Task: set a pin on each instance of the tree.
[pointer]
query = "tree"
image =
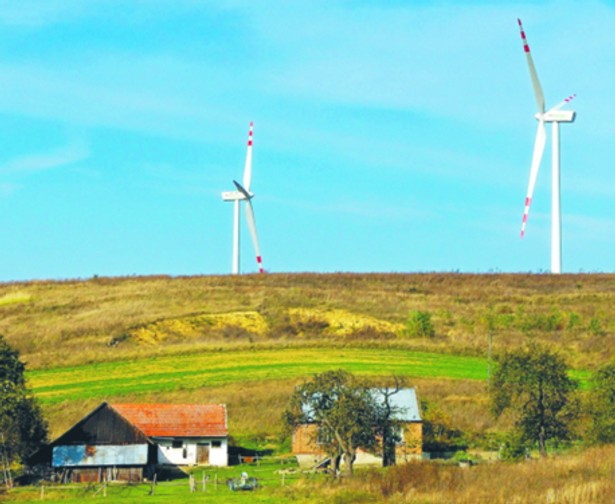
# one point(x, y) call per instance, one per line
point(419, 325)
point(601, 406)
point(387, 425)
point(22, 427)
point(439, 431)
point(344, 411)
point(534, 385)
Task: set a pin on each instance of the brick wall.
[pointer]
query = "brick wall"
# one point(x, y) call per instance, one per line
point(304, 441)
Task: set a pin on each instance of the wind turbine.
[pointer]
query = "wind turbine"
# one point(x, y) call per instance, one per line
point(243, 194)
point(554, 116)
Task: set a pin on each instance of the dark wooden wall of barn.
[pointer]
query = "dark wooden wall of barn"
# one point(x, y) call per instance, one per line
point(104, 426)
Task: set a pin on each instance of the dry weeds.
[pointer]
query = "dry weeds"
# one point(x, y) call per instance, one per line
point(86, 321)
point(587, 477)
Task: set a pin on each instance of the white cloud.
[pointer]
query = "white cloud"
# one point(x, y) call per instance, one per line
point(445, 59)
point(442, 59)
point(57, 158)
point(156, 94)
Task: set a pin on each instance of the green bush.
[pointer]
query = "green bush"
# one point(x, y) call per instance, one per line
point(601, 406)
point(574, 320)
point(514, 447)
point(419, 325)
point(554, 321)
point(595, 327)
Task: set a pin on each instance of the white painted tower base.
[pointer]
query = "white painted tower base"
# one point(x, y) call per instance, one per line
point(556, 214)
point(236, 239)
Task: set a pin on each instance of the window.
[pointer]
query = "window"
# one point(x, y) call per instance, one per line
point(177, 444)
point(216, 444)
point(398, 435)
point(185, 453)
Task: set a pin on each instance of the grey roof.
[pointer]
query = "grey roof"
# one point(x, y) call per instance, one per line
point(405, 402)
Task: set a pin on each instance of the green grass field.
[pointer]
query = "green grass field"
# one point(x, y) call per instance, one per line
point(210, 369)
point(273, 487)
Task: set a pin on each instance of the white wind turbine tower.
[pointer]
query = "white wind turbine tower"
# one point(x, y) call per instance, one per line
point(243, 194)
point(554, 116)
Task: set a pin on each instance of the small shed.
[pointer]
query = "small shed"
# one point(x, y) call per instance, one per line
point(129, 442)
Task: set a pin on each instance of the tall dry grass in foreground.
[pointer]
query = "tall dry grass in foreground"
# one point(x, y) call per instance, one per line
point(587, 477)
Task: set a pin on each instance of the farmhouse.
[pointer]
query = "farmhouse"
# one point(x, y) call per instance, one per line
point(306, 442)
point(130, 442)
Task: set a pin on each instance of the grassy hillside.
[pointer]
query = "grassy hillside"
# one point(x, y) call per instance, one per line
point(244, 379)
point(76, 322)
point(246, 340)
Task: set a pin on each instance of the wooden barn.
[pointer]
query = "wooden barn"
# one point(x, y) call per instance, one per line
point(128, 442)
point(306, 442)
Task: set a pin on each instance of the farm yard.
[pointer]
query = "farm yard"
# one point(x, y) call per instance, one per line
point(577, 477)
point(247, 341)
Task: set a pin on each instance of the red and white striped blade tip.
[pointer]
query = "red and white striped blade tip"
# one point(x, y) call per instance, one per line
point(526, 211)
point(250, 134)
point(526, 46)
point(259, 260)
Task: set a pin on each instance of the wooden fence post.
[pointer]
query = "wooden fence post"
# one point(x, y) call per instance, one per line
point(153, 485)
point(42, 492)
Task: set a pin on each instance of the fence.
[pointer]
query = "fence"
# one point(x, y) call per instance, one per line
point(270, 472)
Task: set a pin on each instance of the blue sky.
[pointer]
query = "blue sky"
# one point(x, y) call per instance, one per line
point(389, 136)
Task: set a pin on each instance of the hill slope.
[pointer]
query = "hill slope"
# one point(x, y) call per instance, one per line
point(75, 322)
point(246, 340)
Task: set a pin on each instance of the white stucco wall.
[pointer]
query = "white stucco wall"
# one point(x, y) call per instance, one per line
point(218, 456)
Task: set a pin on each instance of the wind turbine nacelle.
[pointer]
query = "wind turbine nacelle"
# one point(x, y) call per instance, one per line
point(557, 116)
point(233, 196)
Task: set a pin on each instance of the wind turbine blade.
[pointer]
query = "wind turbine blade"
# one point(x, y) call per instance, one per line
point(252, 227)
point(562, 103)
point(247, 171)
point(539, 147)
point(242, 190)
point(540, 98)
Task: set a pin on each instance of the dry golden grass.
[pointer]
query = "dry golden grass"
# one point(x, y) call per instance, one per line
point(99, 319)
point(341, 322)
point(582, 478)
point(190, 328)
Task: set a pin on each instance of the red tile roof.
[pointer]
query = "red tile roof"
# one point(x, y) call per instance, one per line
point(176, 420)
